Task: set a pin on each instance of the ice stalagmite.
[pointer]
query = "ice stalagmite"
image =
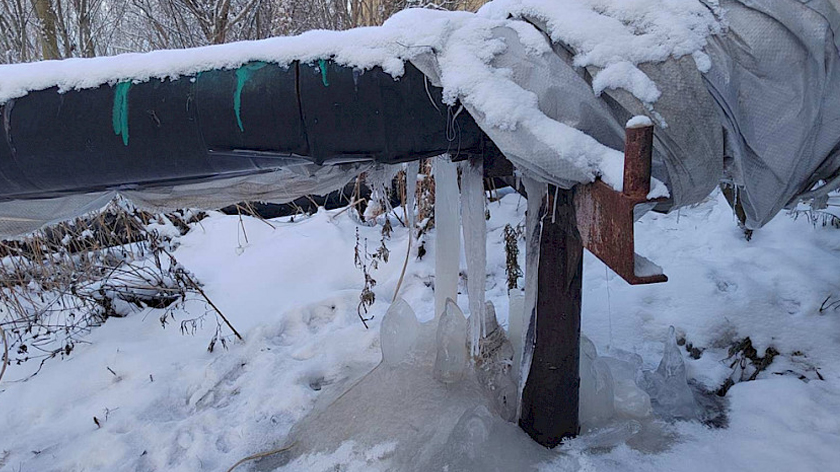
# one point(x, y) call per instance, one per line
point(493, 367)
point(630, 400)
point(533, 228)
point(596, 388)
point(475, 245)
point(670, 395)
point(411, 171)
point(398, 332)
point(451, 344)
point(447, 233)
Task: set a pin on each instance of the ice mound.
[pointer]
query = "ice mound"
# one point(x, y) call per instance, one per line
point(426, 424)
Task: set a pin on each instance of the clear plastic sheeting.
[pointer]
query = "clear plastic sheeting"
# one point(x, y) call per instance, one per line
point(19, 217)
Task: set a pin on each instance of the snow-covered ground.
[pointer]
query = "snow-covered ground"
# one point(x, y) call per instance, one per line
point(170, 405)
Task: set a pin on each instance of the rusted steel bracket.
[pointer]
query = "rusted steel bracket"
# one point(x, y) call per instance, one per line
point(605, 217)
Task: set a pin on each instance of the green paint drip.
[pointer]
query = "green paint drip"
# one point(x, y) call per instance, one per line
point(243, 74)
point(119, 114)
point(322, 64)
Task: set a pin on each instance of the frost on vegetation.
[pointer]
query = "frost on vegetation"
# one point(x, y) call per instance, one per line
point(398, 332)
point(451, 344)
point(670, 394)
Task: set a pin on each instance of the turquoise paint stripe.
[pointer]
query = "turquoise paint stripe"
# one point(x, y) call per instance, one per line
point(119, 113)
point(322, 64)
point(243, 74)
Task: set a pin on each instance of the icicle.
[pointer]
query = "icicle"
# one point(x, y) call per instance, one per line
point(447, 234)
point(516, 311)
point(411, 171)
point(475, 246)
point(536, 191)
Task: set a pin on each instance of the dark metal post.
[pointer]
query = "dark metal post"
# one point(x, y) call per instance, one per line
point(550, 399)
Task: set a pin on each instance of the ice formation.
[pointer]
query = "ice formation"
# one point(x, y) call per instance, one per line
point(493, 367)
point(609, 393)
point(447, 233)
point(425, 424)
point(451, 344)
point(516, 311)
point(670, 395)
point(532, 259)
point(411, 171)
point(475, 245)
point(596, 388)
point(398, 332)
point(630, 401)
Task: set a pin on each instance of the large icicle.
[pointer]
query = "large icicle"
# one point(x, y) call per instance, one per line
point(516, 311)
point(475, 245)
point(536, 191)
point(447, 234)
point(411, 171)
point(533, 228)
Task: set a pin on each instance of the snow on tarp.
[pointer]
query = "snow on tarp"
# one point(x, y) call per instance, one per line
point(553, 92)
point(463, 46)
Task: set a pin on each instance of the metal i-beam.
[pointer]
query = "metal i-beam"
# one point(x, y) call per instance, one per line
point(601, 219)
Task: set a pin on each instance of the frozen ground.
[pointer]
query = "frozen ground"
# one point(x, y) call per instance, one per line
point(170, 405)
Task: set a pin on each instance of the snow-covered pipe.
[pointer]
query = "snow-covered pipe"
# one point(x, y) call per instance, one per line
point(221, 123)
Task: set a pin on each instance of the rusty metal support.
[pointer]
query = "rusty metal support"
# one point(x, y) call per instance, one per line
point(605, 216)
point(550, 398)
point(601, 219)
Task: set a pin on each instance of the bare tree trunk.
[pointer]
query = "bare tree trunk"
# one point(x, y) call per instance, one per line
point(48, 37)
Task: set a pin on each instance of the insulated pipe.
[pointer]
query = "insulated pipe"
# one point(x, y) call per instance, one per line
point(223, 123)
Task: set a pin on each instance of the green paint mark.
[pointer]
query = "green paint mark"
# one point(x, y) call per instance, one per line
point(119, 114)
point(243, 74)
point(322, 64)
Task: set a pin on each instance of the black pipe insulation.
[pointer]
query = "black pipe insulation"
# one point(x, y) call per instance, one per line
point(222, 123)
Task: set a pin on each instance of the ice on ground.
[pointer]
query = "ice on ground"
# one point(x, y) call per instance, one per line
point(670, 394)
point(447, 233)
point(421, 424)
point(398, 332)
point(451, 344)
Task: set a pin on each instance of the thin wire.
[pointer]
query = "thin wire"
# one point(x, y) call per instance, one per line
point(609, 304)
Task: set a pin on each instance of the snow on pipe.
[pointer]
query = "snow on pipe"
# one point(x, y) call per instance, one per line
point(221, 123)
